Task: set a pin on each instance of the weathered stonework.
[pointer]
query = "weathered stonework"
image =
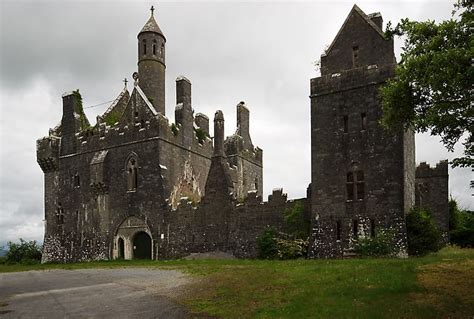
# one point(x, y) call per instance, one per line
point(432, 193)
point(362, 176)
point(137, 186)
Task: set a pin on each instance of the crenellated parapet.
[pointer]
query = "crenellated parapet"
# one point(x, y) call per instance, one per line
point(47, 153)
point(351, 79)
point(424, 170)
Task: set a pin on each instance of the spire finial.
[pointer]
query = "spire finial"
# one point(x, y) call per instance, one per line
point(125, 81)
point(152, 9)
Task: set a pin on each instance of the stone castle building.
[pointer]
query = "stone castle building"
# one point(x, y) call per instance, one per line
point(135, 185)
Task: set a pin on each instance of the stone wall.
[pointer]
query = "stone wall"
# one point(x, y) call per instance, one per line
point(432, 193)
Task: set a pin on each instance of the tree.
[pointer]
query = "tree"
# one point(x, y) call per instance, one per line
point(461, 225)
point(432, 89)
point(296, 222)
point(423, 235)
point(24, 252)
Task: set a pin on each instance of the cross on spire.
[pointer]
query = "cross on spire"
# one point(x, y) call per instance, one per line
point(152, 9)
point(125, 81)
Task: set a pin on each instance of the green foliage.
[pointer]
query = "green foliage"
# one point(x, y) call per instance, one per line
point(422, 233)
point(25, 252)
point(291, 249)
point(174, 129)
point(112, 118)
point(295, 221)
point(201, 135)
point(80, 110)
point(432, 89)
point(461, 226)
point(381, 245)
point(267, 244)
point(271, 245)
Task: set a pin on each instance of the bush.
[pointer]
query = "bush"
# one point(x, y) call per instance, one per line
point(267, 244)
point(295, 221)
point(422, 233)
point(291, 249)
point(461, 226)
point(272, 245)
point(26, 252)
point(382, 244)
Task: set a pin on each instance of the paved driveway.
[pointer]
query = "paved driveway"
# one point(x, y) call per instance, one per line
point(92, 293)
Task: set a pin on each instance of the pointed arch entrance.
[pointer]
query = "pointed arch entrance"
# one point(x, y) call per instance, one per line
point(133, 240)
point(141, 246)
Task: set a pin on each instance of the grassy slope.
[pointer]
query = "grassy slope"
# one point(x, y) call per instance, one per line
point(438, 285)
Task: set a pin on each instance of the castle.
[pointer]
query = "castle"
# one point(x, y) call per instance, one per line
point(135, 185)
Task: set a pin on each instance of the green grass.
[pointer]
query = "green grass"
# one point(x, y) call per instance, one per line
point(435, 286)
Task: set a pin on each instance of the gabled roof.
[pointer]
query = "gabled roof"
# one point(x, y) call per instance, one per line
point(151, 26)
point(356, 9)
point(145, 99)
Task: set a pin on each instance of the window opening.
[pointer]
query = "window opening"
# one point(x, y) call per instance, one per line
point(355, 56)
point(338, 230)
point(144, 47)
point(372, 228)
point(355, 185)
point(132, 172)
point(363, 121)
point(355, 228)
point(346, 123)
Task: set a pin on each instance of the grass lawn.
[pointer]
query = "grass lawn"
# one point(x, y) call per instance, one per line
point(436, 286)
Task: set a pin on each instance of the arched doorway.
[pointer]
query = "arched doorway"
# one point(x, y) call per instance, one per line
point(121, 248)
point(141, 246)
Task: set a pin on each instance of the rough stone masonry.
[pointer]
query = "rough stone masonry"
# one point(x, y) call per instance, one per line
point(135, 185)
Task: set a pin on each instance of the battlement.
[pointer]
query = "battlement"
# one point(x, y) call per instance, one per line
point(47, 153)
point(351, 79)
point(425, 171)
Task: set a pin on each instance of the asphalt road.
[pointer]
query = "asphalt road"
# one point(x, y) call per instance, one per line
point(92, 293)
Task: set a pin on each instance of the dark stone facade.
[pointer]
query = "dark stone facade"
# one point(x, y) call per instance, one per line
point(137, 186)
point(432, 193)
point(362, 176)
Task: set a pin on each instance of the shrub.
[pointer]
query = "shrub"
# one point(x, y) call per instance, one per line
point(461, 225)
point(272, 245)
point(295, 221)
point(291, 249)
point(382, 244)
point(267, 244)
point(422, 233)
point(25, 252)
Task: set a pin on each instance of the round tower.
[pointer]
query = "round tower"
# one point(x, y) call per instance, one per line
point(151, 63)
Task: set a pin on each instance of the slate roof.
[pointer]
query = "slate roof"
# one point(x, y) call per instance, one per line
point(152, 26)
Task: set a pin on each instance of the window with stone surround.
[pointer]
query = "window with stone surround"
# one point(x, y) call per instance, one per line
point(355, 185)
point(144, 47)
point(59, 214)
point(338, 230)
point(77, 180)
point(355, 56)
point(372, 227)
point(132, 174)
point(346, 123)
point(363, 121)
point(154, 47)
point(355, 228)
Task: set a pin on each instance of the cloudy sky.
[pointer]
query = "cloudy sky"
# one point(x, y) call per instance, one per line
point(260, 52)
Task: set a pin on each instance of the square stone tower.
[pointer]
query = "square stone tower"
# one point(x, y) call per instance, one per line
point(362, 176)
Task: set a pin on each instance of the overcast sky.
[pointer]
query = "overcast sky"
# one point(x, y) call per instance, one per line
point(258, 52)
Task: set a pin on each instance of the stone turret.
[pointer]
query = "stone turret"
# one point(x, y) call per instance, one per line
point(69, 126)
point(243, 125)
point(151, 63)
point(184, 112)
point(219, 134)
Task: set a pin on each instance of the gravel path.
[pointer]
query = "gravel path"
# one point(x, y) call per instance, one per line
point(92, 293)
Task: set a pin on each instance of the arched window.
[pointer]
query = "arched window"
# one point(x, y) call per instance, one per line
point(338, 230)
point(154, 47)
point(162, 51)
point(144, 47)
point(77, 180)
point(355, 185)
point(132, 174)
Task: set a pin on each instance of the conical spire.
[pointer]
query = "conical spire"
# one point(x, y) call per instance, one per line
point(151, 25)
